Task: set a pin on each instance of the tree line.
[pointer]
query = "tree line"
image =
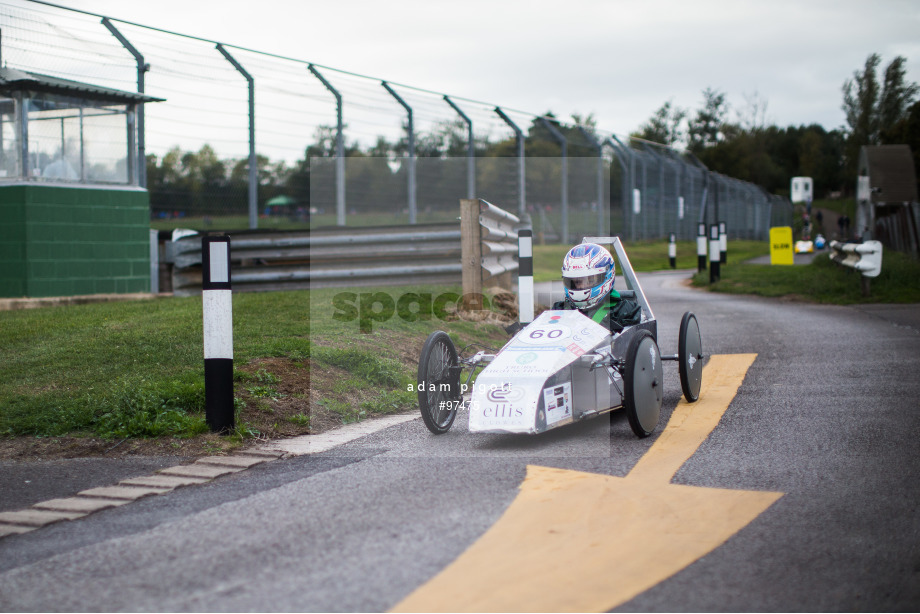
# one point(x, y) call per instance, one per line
point(880, 108)
point(200, 183)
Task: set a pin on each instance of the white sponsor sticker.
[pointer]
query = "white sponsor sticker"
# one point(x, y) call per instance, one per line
point(557, 400)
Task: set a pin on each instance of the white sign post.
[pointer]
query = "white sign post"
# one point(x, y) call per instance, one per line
point(217, 310)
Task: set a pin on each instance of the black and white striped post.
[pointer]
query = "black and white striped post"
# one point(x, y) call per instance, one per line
point(701, 246)
point(217, 309)
point(672, 250)
point(714, 253)
point(723, 243)
point(525, 276)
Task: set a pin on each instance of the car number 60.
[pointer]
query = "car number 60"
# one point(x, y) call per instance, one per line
point(547, 336)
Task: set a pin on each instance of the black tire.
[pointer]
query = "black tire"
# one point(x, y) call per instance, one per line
point(642, 377)
point(438, 382)
point(690, 357)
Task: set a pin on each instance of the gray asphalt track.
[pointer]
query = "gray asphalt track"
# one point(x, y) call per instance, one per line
point(827, 414)
point(24, 483)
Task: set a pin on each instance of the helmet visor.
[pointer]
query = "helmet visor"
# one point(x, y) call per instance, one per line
point(584, 283)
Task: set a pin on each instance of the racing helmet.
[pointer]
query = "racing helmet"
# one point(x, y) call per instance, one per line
point(587, 274)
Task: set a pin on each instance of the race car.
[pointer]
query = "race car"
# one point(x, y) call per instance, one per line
point(561, 368)
point(804, 247)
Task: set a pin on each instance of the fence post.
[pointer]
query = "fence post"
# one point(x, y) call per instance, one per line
point(154, 261)
point(339, 149)
point(563, 142)
point(253, 167)
point(142, 68)
point(659, 204)
point(410, 131)
point(217, 310)
point(626, 187)
point(470, 151)
point(471, 254)
point(519, 137)
point(600, 176)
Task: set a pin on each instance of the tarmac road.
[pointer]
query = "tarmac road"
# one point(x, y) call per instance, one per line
point(824, 424)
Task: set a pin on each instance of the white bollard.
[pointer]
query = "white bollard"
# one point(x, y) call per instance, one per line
point(672, 250)
point(701, 247)
point(525, 276)
point(714, 253)
point(217, 311)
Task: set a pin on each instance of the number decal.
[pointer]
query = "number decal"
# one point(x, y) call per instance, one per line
point(551, 335)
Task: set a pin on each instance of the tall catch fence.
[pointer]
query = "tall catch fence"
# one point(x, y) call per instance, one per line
point(251, 139)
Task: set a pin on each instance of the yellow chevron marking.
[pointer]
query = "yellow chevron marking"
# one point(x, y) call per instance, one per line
point(581, 542)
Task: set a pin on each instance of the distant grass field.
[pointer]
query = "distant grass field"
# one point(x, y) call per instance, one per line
point(644, 256)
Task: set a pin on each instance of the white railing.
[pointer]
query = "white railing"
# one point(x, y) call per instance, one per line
point(865, 257)
point(489, 245)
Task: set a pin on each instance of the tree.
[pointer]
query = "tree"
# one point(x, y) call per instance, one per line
point(896, 98)
point(706, 128)
point(860, 100)
point(811, 157)
point(447, 138)
point(664, 126)
point(907, 131)
point(588, 121)
point(754, 114)
point(873, 112)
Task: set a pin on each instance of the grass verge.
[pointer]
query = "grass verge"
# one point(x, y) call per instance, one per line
point(130, 375)
point(822, 281)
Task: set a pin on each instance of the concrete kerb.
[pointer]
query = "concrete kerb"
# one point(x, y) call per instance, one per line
point(13, 304)
point(201, 471)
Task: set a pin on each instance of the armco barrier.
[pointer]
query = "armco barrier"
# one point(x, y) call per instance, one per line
point(864, 257)
point(489, 246)
point(327, 258)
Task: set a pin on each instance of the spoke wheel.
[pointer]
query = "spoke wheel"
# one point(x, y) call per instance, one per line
point(690, 357)
point(643, 381)
point(438, 382)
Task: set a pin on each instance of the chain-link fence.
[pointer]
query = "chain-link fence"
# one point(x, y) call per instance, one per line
point(407, 154)
point(663, 192)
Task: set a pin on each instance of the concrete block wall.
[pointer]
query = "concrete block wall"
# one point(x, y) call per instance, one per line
point(67, 241)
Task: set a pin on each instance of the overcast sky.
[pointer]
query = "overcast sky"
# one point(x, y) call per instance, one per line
point(617, 59)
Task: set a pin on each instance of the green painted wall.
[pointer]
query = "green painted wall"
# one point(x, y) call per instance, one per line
point(63, 241)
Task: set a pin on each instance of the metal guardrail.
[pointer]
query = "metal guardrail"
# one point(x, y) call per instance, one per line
point(489, 245)
point(864, 257)
point(499, 238)
point(326, 258)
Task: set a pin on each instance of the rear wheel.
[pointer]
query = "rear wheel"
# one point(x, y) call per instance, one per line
point(642, 379)
point(438, 382)
point(690, 357)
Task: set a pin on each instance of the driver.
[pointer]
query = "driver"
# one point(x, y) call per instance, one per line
point(588, 272)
